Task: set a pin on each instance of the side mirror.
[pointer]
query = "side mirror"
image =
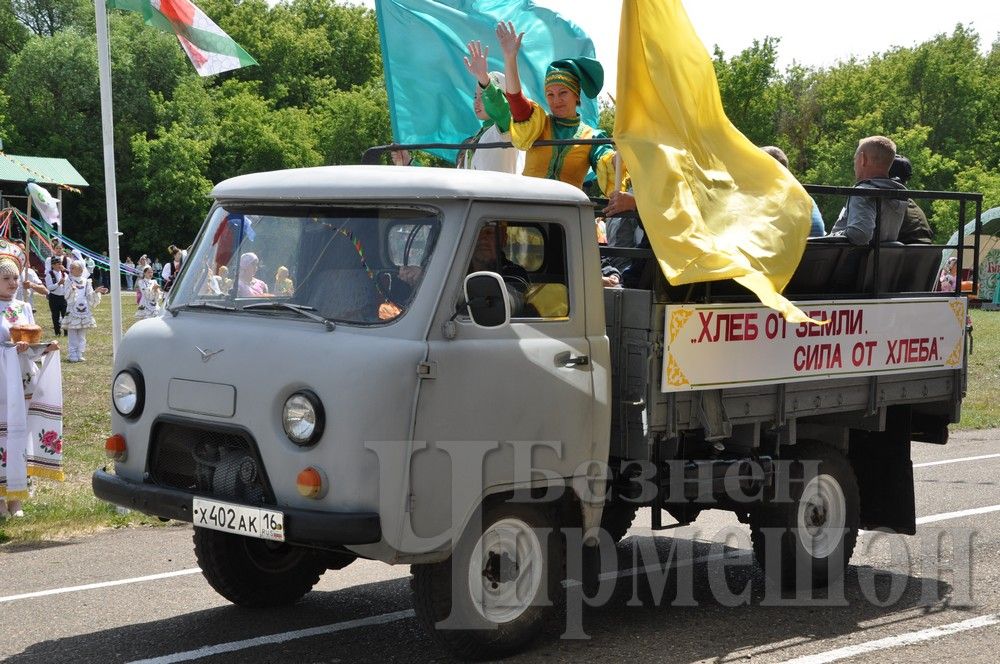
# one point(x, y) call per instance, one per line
point(486, 297)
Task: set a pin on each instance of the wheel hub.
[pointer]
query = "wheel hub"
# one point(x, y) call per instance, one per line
point(822, 516)
point(500, 568)
point(505, 570)
point(817, 514)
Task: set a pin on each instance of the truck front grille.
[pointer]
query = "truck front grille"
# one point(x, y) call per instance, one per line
point(222, 464)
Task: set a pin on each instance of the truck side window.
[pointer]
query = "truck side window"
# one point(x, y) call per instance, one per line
point(531, 256)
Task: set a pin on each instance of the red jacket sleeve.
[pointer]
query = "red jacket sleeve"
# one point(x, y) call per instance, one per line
point(520, 107)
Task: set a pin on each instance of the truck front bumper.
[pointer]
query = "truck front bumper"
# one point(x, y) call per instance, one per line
point(301, 526)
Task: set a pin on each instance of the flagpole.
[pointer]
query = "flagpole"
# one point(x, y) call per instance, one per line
point(110, 192)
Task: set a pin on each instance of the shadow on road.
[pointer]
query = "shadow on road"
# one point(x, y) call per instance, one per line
point(26, 547)
point(680, 615)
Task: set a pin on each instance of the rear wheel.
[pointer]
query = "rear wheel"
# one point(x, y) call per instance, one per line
point(254, 572)
point(807, 541)
point(498, 588)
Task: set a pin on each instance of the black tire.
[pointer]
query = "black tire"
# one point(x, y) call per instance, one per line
point(617, 518)
point(450, 614)
point(253, 572)
point(775, 527)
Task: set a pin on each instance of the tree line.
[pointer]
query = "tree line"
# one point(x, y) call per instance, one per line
point(318, 97)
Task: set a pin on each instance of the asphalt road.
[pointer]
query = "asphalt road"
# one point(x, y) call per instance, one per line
point(904, 599)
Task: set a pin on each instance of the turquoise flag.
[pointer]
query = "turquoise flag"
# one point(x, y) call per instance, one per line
point(424, 41)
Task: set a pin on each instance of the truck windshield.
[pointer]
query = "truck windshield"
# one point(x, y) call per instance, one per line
point(349, 265)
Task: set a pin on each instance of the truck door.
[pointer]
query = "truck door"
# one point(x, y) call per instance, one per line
point(530, 383)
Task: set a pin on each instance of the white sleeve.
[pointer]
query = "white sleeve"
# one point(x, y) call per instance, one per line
point(93, 296)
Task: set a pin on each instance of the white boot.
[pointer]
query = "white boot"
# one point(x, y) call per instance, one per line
point(15, 509)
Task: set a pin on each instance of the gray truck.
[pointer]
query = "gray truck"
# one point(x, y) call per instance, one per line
point(438, 378)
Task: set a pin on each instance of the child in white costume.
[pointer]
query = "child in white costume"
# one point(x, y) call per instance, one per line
point(147, 292)
point(81, 298)
point(18, 373)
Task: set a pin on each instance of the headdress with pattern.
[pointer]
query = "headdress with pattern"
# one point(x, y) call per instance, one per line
point(11, 258)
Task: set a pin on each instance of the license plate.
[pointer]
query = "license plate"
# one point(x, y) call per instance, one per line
point(239, 519)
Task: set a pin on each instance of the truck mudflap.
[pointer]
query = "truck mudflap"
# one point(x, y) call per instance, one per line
point(302, 526)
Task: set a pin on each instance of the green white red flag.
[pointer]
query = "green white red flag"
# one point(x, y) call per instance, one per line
point(209, 48)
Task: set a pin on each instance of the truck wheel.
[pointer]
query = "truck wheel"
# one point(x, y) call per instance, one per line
point(617, 518)
point(253, 572)
point(817, 528)
point(498, 588)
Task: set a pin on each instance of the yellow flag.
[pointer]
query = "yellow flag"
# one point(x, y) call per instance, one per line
point(713, 204)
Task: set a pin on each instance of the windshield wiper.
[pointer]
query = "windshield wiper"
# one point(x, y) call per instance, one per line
point(300, 309)
point(200, 305)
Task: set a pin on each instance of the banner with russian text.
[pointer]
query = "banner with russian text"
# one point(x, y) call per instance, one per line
point(722, 346)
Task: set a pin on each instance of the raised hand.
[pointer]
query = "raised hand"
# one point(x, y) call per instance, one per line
point(401, 157)
point(476, 62)
point(510, 39)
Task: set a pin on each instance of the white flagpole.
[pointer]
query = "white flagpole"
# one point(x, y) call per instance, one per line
point(110, 191)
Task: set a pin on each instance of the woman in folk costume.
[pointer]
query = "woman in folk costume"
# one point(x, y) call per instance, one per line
point(492, 109)
point(81, 298)
point(30, 398)
point(564, 82)
point(147, 294)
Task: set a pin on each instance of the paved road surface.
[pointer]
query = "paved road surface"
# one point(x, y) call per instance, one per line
point(134, 595)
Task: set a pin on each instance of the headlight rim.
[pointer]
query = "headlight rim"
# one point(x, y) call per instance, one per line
point(319, 412)
point(140, 393)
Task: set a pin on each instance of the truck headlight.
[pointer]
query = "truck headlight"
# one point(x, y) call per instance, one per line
point(128, 392)
point(303, 418)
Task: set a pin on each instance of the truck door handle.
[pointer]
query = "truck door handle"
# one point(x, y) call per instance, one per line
point(567, 359)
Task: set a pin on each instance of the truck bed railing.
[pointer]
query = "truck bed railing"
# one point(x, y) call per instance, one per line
point(882, 268)
point(833, 268)
point(373, 154)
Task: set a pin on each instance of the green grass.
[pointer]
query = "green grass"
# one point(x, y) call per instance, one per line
point(981, 407)
point(59, 510)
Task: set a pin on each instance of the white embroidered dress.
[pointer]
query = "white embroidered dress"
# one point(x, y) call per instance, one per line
point(81, 299)
point(30, 409)
point(148, 307)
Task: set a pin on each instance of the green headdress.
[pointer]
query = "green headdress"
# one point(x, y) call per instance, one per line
point(577, 74)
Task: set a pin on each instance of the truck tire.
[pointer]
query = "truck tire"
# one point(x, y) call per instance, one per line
point(255, 573)
point(507, 583)
point(817, 528)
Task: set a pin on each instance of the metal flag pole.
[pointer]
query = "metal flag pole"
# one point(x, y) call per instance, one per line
point(110, 192)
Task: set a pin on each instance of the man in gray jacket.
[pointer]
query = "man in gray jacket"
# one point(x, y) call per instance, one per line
point(871, 169)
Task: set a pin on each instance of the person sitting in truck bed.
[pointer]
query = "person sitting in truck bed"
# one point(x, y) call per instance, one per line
point(817, 228)
point(915, 229)
point(871, 169)
point(624, 229)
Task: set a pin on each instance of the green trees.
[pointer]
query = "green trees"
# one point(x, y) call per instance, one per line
point(749, 91)
point(939, 101)
point(318, 98)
